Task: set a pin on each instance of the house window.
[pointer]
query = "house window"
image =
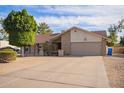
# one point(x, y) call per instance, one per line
point(75, 31)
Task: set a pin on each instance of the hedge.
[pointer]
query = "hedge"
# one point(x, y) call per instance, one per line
point(7, 49)
point(7, 55)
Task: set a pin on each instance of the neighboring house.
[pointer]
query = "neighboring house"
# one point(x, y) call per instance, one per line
point(75, 41)
point(5, 44)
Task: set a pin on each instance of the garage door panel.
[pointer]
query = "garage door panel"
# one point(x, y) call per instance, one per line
point(87, 48)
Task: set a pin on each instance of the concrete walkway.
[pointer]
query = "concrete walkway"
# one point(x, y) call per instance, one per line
point(54, 72)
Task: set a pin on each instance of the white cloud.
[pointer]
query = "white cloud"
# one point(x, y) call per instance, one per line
point(89, 17)
point(65, 21)
point(97, 17)
point(86, 10)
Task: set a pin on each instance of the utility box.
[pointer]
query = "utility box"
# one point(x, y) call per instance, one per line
point(60, 52)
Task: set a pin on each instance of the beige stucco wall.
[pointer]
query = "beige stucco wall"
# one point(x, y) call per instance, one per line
point(82, 36)
point(66, 44)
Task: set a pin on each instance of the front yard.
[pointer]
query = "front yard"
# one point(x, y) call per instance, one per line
point(115, 70)
point(63, 72)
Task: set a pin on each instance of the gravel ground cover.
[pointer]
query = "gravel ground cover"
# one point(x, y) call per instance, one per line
point(115, 70)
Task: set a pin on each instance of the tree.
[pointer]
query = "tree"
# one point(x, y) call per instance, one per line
point(120, 26)
point(3, 33)
point(21, 27)
point(113, 31)
point(122, 41)
point(113, 35)
point(1, 21)
point(43, 28)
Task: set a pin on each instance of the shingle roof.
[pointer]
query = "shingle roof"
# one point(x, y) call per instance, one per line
point(96, 33)
point(103, 33)
point(42, 38)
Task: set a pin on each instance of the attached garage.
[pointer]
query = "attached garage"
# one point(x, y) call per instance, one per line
point(86, 48)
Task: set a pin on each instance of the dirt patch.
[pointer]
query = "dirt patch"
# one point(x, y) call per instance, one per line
point(115, 70)
point(19, 64)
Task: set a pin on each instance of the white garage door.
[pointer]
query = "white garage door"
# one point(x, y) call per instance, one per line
point(86, 49)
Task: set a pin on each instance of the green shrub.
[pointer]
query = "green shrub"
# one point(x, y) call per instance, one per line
point(7, 55)
point(7, 49)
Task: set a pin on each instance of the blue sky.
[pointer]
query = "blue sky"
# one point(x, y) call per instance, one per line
point(63, 17)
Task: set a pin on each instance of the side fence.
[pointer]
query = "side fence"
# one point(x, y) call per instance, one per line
point(117, 49)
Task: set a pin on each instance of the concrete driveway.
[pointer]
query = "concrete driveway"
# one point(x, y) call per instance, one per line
point(54, 72)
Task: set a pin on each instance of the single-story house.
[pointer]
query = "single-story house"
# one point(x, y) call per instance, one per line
point(75, 41)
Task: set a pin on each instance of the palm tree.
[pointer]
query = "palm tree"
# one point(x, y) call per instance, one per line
point(43, 28)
